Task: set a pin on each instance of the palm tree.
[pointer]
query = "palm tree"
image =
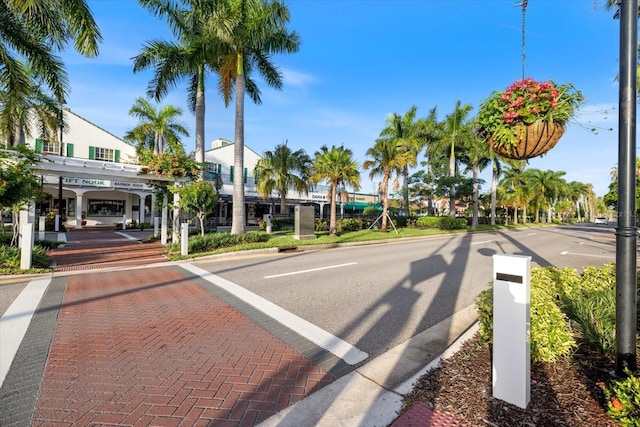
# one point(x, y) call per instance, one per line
point(546, 185)
point(477, 156)
point(34, 34)
point(386, 159)
point(158, 124)
point(577, 191)
point(335, 165)
point(20, 110)
point(406, 131)
point(276, 171)
point(197, 52)
point(250, 33)
point(516, 187)
point(453, 131)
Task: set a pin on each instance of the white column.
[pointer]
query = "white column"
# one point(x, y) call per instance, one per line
point(176, 218)
point(511, 329)
point(154, 197)
point(79, 211)
point(165, 214)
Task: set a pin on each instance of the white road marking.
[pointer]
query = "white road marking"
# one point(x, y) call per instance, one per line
point(342, 349)
point(15, 321)
point(484, 241)
point(589, 255)
point(310, 270)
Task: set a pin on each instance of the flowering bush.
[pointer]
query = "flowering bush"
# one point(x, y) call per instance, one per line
point(526, 102)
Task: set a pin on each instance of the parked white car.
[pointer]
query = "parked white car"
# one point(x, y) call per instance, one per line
point(601, 220)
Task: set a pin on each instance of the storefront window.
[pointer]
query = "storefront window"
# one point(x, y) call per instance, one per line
point(105, 207)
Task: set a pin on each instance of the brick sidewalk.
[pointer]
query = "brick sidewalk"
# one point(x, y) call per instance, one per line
point(89, 249)
point(147, 347)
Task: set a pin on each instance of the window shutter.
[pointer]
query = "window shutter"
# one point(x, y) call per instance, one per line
point(231, 173)
point(92, 152)
point(38, 146)
point(69, 150)
point(245, 175)
point(116, 156)
point(219, 168)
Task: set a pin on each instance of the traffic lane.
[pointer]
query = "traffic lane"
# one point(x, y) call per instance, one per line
point(386, 294)
point(377, 296)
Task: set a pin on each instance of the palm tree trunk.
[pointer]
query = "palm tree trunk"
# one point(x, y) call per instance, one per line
point(405, 189)
point(283, 203)
point(385, 202)
point(452, 189)
point(494, 191)
point(333, 229)
point(515, 215)
point(200, 112)
point(474, 220)
point(238, 215)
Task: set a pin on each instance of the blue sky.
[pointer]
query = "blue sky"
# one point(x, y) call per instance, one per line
point(361, 60)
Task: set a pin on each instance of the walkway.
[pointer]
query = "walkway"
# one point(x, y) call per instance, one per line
point(154, 345)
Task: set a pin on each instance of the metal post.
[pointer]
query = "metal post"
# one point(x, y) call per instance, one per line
point(626, 238)
point(61, 154)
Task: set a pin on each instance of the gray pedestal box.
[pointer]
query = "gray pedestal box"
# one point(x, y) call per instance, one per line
point(305, 226)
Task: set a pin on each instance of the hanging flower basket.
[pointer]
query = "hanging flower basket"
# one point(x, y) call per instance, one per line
point(533, 140)
point(528, 118)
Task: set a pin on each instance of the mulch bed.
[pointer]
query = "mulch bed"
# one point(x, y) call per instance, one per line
point(564, 393)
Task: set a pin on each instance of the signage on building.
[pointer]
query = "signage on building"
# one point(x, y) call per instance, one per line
point(93, 182)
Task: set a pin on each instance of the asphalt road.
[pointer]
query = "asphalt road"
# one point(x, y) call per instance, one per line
point(377, 296)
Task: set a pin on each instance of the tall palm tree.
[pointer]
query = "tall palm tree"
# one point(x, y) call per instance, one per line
point(386, 159)
point(335, 165)
point(453, 131)
point(277, 169)
point(577, 191)
point(251, 32)
point(195, 53)
point(20, 110)
point(477, 156)
point(160, 124)
point(407, 132)
point(515, 184)
point(33, 32)
point(546, 185)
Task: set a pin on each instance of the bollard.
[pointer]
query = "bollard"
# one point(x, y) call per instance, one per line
point(511, 329)
point(26, 246)
point(124, 222)
point(184, 239)
point(42, 227)
point(57, 223)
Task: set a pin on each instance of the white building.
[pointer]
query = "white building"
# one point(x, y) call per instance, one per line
point(94, 178)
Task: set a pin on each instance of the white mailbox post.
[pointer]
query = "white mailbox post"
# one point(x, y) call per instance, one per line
point(511, 329)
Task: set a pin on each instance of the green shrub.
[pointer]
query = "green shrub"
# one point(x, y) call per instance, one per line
point(321, 225)
point(428, 222)
point(441, 222)
point(10, 257)
point(551, 338)
point(623, 399)
point(448, 223)
point(349, 224)
point(589, 299)
point(212, 241)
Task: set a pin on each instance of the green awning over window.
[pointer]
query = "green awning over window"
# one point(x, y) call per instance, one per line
point(359, 206)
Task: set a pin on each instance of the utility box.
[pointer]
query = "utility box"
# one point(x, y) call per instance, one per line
point(305, 223)
point(511, 329)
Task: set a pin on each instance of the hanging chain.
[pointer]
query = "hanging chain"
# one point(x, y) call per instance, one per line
point(524, 55)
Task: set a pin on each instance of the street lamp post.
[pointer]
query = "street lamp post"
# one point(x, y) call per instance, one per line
point(61, 124)
point(626, 238)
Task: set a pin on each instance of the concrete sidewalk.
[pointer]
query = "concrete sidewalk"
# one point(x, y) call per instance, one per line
point(153, 344)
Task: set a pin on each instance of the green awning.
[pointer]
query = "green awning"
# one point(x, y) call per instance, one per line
point(359, 206)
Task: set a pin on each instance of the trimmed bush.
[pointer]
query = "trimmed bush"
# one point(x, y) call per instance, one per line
point(551, 338)
point(441, 222)
point(349, 224)
point(212, 241)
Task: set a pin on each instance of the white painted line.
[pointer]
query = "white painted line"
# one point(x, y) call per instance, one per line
point(342, 349)
point(310, 270)
point(125, 235)
point(484, 241)
point(590, 255)
point(532, 234)
point(15, 321)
